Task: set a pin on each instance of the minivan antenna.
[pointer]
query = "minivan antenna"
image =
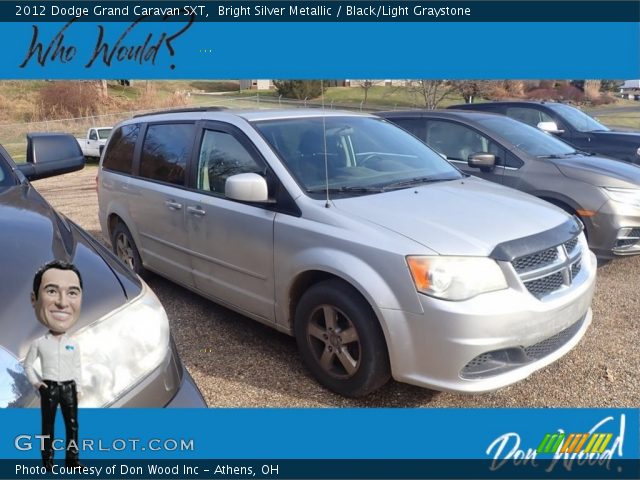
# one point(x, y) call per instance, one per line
point(324, 138)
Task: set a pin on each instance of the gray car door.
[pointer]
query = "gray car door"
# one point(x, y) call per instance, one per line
point(157, 205)
point(230, 242)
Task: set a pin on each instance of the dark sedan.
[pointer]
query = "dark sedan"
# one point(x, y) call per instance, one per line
point(129, 359)
point(604, 193)
point(569, 124)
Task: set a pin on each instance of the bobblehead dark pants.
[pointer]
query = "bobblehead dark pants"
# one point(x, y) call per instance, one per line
point(63, 394)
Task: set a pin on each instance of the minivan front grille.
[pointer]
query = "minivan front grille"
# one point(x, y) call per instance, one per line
point(545, 285)
point(537, 260)
point(549, 270)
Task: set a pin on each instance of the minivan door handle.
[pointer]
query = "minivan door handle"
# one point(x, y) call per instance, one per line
point(173, 205)
point(199, 212)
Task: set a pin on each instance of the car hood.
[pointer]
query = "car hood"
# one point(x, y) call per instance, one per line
point(599, 171)
point(460, 217)
point(34, 234)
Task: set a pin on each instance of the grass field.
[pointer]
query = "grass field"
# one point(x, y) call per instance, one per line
point(19, 99)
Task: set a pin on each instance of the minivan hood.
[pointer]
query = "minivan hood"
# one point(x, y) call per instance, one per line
point(34, 234)
point(458, 217)
point(599, 171)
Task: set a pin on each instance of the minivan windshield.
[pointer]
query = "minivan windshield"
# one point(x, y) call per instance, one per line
point(353, 155)
point(529, 139)
point(578, 119)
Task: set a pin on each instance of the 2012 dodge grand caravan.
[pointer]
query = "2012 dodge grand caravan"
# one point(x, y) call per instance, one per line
point(349, 233)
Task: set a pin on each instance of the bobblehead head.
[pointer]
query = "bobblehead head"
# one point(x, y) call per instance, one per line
point(57, 300)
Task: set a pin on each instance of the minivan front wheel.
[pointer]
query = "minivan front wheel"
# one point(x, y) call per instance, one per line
point(125, 248)
point(340, 340)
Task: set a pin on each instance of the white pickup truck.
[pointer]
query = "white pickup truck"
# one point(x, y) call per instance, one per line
point(94, 142)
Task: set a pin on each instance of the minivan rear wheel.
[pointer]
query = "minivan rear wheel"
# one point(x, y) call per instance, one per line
point(340, 340)
point(125, 248)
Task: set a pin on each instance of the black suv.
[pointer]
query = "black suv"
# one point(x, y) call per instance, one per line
point(570, 124)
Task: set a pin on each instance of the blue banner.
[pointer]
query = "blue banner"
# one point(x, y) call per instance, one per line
point(358, 50)
point(311, 433)
point(243, 40)
point(467, 443)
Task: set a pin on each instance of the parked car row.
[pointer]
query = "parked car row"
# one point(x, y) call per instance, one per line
point(385, 255)
point(571, 125)
point(352, 235)
point(603, 192)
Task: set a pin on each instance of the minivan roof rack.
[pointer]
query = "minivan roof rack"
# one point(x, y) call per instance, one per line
point(182, 110)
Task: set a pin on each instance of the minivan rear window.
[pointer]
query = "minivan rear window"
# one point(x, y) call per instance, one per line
point(119, 155)
point(165, 152)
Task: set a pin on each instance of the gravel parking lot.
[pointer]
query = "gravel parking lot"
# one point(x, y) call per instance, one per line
point(240, 363)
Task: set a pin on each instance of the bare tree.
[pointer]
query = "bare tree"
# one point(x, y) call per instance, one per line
point(366, 85)
point(471, 89)
point(430, 92)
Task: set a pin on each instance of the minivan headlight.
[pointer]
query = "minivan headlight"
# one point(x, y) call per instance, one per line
point(455, 278)
point(121, 349)
point(630, 196)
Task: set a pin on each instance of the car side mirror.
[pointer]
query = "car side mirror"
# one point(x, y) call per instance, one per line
point(484, 161)
point(550, 127)
point(50, 154)
point(247, 187)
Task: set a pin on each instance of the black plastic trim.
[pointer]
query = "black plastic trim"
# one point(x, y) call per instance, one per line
point(509, 251)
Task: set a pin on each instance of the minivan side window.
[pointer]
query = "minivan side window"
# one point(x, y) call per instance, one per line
point(166, 151)
point(119, 155)
point(222, 155)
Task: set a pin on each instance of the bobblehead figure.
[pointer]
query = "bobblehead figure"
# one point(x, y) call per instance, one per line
point(56, 299)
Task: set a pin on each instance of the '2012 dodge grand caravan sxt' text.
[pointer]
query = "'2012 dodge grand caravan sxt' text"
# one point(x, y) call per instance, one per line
point(349, 233)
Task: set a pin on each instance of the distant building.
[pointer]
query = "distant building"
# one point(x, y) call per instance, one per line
point(256, 85)
point(377, 83)
point(630, 89)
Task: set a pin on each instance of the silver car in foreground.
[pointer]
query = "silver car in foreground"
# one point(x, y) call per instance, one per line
point(349, 233)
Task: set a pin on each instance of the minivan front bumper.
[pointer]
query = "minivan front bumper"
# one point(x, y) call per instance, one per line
point(490, 341)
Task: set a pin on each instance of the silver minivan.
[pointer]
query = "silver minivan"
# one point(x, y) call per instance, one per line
point(351, 234)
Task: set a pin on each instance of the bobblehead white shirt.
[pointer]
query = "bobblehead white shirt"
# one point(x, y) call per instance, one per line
point(57, 307)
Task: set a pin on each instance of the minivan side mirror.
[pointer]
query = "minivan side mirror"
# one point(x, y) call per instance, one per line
point(550, 127)
point(484, 161)
point(50, 154)
point(247, 187)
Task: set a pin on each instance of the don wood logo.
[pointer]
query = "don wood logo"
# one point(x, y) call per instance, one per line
point(596, 446)
point(574, 443)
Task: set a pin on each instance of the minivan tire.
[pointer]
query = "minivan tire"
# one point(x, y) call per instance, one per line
point(125, 249)
point(340, 339)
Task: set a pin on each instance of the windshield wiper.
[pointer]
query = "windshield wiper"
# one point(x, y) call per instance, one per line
point(586, 154)
point(553, 155)
point(345, 190)
point(415, 181)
